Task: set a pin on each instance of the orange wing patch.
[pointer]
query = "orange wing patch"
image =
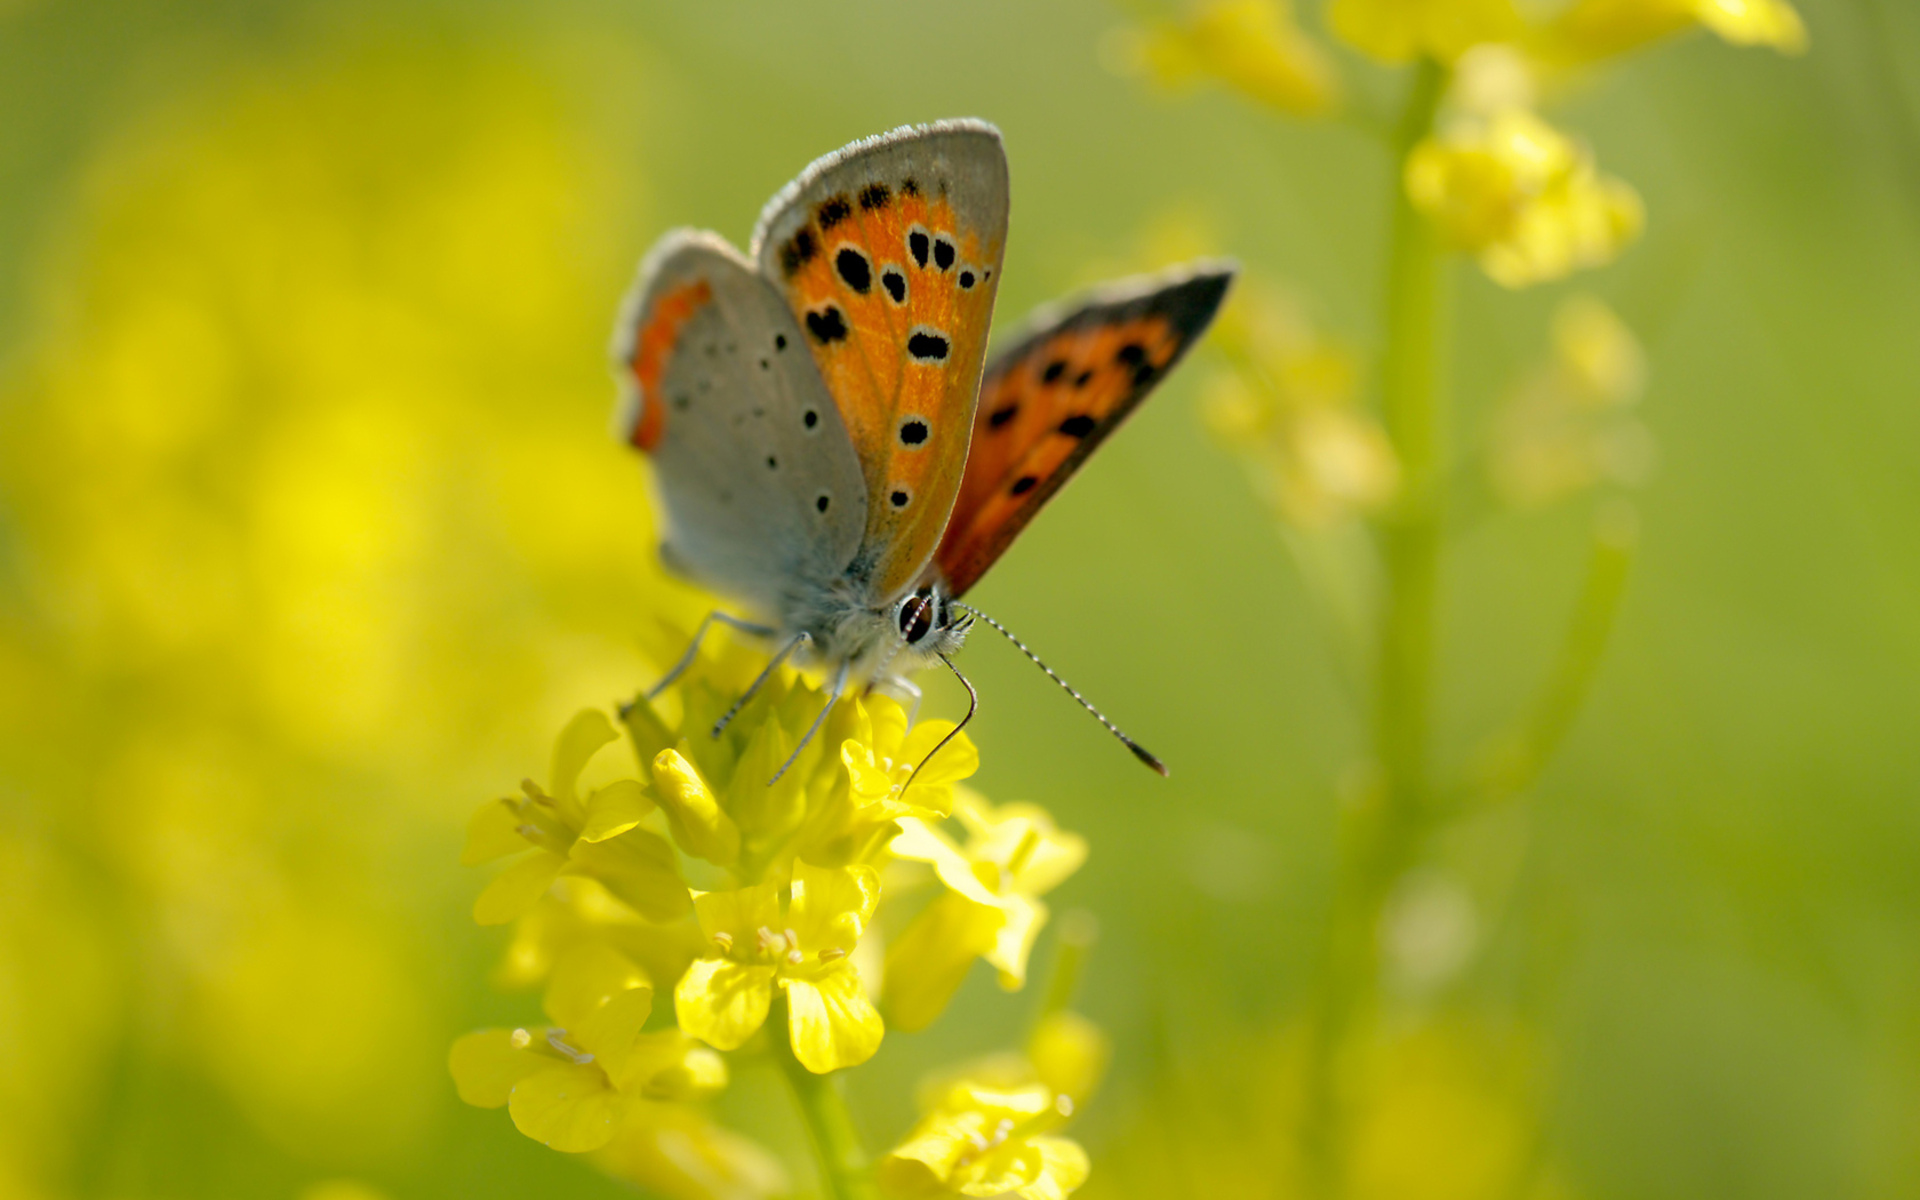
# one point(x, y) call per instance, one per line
point(895, 294)
point(652, 347)
point(1049, 402)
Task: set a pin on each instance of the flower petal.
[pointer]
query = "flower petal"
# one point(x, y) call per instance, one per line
point(486, 1065)
point(924, 842)
point(1014, 941)
point(586, 733)
point(677, 1151)
point(929, 960)
point(614, 809)
point(722, 1002)
point(568, 1106)
point(587, 978)
point(831, 905)
point(831, 1021)
point(639, 868)
point(740, 912)
point(693, 813)
point(518, 888)
point(493, 832)
point(1063, 1167)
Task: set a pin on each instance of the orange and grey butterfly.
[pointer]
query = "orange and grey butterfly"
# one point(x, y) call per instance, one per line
point(1068, 380)
point(888, 253)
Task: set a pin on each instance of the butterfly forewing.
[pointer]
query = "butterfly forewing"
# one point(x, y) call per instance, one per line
point(1067, 381)
point(888, 253)
point(759, 480)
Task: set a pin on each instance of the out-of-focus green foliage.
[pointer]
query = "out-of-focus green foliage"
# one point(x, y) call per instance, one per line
point(311, 533)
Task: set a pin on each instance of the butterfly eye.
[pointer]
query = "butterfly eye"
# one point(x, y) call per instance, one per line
point(916, 617)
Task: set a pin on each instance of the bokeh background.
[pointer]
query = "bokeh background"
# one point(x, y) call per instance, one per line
point(312, 534)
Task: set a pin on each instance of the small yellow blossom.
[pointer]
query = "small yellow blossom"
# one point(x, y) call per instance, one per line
point(991, 908)
point(1589, 30)
point(596, 834)
point(1398, 31)
point(880, 755)
point(981, 1140)
point(804, 949)
point(1291, 408)
point(1522, 197)
point(1570, 425)
point(570, 1085)
point(1254, 47)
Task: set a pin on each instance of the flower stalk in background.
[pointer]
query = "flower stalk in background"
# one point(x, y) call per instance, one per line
point(1365, 495)
point(760, 906)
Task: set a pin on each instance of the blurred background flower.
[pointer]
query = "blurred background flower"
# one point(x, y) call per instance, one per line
point(311, 533)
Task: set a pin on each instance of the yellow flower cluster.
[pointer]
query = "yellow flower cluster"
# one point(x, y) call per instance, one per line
point(1253, 47)
point(1291, 408)
point(1522, 197)
point(756, 898)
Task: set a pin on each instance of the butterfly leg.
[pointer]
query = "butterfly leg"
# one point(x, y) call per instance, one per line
point(693, 647)
point(839, 682)
point(798, 640)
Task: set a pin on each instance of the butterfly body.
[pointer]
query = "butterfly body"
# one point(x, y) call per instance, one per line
point(824, 446)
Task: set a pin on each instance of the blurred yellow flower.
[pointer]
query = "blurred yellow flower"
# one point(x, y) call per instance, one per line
point(802, 947)
point(676, 1151)
point(1398, 31)
point(1290, 408)
point(1254, 47)
point(1588, 30)
point(981, 1140)
point(991, 907)
point(1522, 197)
point(1569, 424)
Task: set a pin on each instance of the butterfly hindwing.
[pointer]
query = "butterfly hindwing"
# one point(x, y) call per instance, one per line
point(1066, 382)
point(888, 253)
point(759, 479)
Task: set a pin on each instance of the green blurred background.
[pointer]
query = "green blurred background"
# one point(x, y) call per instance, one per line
point(312, 534)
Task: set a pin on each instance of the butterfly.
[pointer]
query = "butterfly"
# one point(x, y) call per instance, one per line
point(829, 445)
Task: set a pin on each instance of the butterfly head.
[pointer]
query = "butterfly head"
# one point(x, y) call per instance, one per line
point(927, 622)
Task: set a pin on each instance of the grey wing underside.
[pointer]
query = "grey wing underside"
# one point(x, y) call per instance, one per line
point(760, 486)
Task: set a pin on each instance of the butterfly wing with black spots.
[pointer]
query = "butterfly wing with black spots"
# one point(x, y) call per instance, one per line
point(888, 252)
point(1066, 382)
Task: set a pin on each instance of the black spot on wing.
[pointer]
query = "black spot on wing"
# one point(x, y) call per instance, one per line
point(822, 501)
point(779, 341)
point(998, 418)
point(1023, 485)
point(1132, 354)
point(1054, 371)
point(798, 251)
point(966, 279)
point(854, 270)
point(875, 195)
point(827, 325)
point(1078, 425)
point(899, 498)
point(1082, 379)
point(832, 211)
point(810, 418)
point(911, 187)
point(917, 245)
point(928, 346)
point(895, 282)
point(944, 252)
point(913, 432)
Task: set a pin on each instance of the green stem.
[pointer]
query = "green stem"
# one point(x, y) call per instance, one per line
point(1384, 831)
point(836, 1144)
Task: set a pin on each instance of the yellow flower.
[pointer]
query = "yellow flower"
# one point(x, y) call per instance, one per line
point(570, 1085)
point(991, 908)
point(1521, 196)
point(1254, 47)
point(804, 949)
point(596, 835)
point(854, 824)
point(1589, 30)
point(1398, 31)
point(676, 1151)
point(580, 911)
point(981, 1140)
point(1291, 408)
point(1569, 424)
